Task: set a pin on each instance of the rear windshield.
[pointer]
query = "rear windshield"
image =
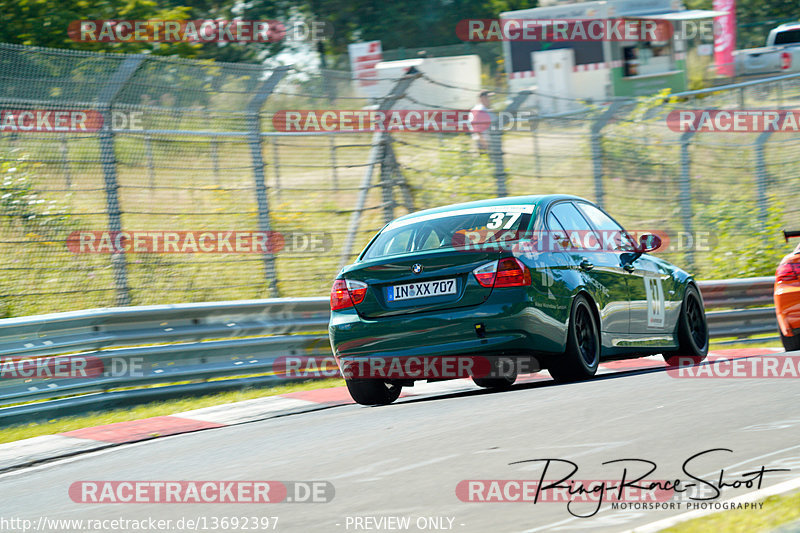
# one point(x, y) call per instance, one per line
point(452, 229)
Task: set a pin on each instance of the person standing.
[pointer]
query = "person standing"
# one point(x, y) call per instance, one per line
point(481, 119)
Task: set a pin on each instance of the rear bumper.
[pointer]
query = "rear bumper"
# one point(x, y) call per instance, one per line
point(787, 308)
point(510, 327)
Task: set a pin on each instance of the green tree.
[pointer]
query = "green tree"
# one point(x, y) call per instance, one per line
point(754, 18)
point(411, 24)
point(46, 23)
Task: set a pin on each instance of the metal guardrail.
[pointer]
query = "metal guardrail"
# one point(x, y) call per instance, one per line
point(737, 293)
point(734, 295)
point(198, 342)
point(93, 329)
point(157, 345)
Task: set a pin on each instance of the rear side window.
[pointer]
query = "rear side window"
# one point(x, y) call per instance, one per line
point(451, 229)
point(558, 235)
point(577, 228)
point(612, 235)
point(788, 37)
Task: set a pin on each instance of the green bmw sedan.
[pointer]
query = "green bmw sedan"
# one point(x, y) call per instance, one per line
point(495, 288)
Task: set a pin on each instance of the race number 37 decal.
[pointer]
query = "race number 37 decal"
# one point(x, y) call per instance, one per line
point(496, 220)
point(655, 301)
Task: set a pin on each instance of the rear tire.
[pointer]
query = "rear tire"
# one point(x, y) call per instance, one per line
point(373, 391)
point(582, 356)
point(791, 344)
point(692, 332)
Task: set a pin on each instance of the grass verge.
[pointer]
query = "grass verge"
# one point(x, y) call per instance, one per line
point(170, 407)
point(777, 510)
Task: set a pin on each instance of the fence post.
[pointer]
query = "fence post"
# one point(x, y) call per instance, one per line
point(254, 126)
point(761, 178)
point(215, 159)
point(151, 167)
point(387, 180)
point(686, 194)
point(330, 90)
point(276, 165)
point(108, 161)
point(376, 155)
point(65, 160)
point(536, 157)
point(496, 157)
point(596, 140)
point(334, 173)
point(399, 178)
point(496, 143)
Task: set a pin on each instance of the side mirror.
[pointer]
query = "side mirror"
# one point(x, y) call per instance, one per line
point(649, 242)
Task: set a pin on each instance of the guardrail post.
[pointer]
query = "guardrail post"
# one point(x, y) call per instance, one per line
point(596, 140)
point(254, 126)
point(686, 194)
point(761, 178)
point(376, 156)
point(108, 161)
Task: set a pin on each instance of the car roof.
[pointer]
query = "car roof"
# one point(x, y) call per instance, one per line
point(537, 199)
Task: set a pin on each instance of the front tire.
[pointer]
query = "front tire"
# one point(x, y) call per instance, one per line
point(692, 331)
point(582, 356)
point(790, 344)
point(373, 391)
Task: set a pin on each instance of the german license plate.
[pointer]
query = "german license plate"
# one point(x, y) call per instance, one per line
point(423, 289)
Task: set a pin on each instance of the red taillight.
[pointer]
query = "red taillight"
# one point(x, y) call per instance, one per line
point(485, 274)
point(788, 272)
point(347, 293)
point(508, 272)
point(358, 290)
point(512, 273)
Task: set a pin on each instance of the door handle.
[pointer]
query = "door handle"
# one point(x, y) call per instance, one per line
point(628, 267)
point(586, 264)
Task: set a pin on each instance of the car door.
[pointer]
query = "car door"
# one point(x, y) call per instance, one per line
point(648, 283)
point(605, 278)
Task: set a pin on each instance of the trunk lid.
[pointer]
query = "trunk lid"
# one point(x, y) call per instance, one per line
point(429, 290)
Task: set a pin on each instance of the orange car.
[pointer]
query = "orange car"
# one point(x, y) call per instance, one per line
point(787, 296)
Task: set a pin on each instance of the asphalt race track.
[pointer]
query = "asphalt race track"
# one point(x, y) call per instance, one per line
point(406, 459)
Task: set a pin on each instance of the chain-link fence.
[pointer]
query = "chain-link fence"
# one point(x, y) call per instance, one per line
point(172, 145)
